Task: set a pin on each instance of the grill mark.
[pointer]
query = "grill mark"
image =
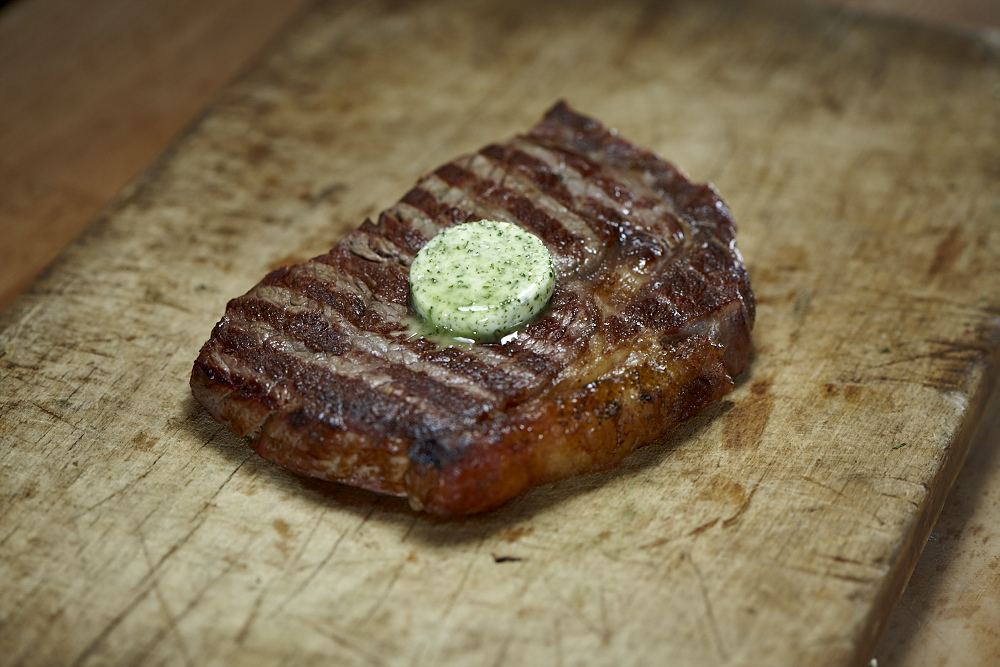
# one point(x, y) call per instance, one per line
point(513, 359)
point(446, 215)
point(583, 134)
point(411, 216)
point(563, 335)
point(223, 368)
point(524, 211)
point(403, 236)
point(475, 370)
point(701, 206)
point(689, 290)
point(352, 307)
point(309, 327)
point(588, 147)
point(456, 176)
point(542, 176)
point(348, 305)
point(489, 366)
point(429, 201)
point(612, 228)
point(584, 139)
point(578, 162)
point(607, 223)
point(381, 317)
point(698, 203)
point(342, 401)
point(543, 186)
point(643, 207)
point(382, 281)
point(475, 207)
point(507, 369)
point(621, 188)
point(422, 200)
point(668, 306)
point(442, 190)
point(389, 240)
point(478, 368)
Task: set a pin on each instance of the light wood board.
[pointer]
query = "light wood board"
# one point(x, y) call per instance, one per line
point(778, 527)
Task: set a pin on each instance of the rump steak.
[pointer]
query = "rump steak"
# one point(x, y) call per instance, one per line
point(649, 323)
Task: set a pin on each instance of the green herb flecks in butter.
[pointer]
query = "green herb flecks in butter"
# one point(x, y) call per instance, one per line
point(481, 280)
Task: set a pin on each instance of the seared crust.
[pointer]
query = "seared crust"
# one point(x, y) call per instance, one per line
point(649, 323)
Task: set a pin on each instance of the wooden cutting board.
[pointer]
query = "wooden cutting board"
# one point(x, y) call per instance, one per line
point(778, 527)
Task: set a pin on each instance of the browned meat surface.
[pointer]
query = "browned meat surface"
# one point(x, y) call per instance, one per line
point(649, 323)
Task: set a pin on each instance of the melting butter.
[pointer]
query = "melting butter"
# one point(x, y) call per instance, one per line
point(480, 281)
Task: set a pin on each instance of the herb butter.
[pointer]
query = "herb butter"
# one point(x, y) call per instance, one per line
point(481, 280)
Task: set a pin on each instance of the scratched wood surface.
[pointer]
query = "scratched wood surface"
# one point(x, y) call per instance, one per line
point(948, 613)
point(777, 527)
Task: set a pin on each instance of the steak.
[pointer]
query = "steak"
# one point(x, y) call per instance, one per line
point(649, 323)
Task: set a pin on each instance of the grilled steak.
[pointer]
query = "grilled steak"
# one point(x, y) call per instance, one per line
point(649, 322)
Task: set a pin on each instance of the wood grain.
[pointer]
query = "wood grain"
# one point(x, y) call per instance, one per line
point(140, 528)
point(91, 93)
point(948, 615)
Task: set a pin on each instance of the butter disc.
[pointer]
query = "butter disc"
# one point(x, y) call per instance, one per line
point(481, 280)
